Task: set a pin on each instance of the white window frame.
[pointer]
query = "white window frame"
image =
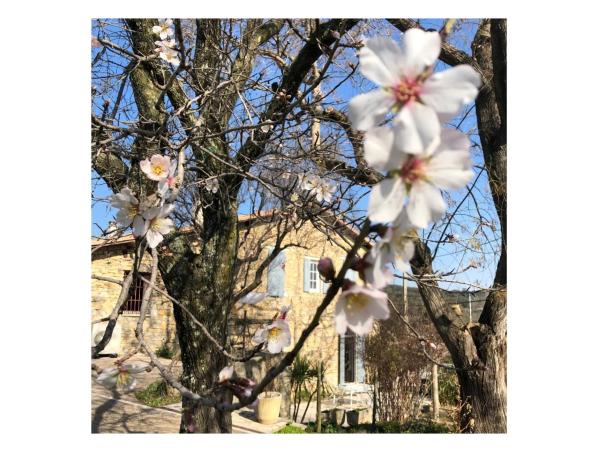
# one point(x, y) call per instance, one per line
point(317, 289)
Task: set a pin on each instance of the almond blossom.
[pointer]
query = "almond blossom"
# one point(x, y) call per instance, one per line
point(225, 374)
point(276, 335)
point(129, 211)
point(157, 167)
point(321, 188)
point(169, 55)
point(167, 183)
point(163, 29)
point(212, 185)
point(157, 224)
point(438, 162)
point(395, 247)
point(408, 85)
point(358, 307)
point(252, 298)
point(121, 377)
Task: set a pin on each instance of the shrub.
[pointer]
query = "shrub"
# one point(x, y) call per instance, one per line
point(164, 351)
point(157, 394)
point(291, 429)
point(448, 387)
point(421, 426)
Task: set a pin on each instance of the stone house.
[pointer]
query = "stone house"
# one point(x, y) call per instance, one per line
point(291, 279)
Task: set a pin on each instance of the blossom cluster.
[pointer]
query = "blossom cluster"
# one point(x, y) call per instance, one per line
point(276, 335)
point(417, 156)
point(166, 46)
point(149, 217)
point(121, 378)
point(319, 187)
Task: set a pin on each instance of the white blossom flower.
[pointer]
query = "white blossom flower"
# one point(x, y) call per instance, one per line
point(268, 126)
point(252, 298)
point(306, 181)
point(169, 55)
point(129, 210)
point(395, 247)
point(167, 183)
point(321, 188)
point(276, 335)
point(120, 378)
point(439, 162)
point(157, 167)
point(225, 374)
point(157, 224)
point(164, 29)
point(408, 85)
point(167, 44)
point(357, 308)
point(212, 185)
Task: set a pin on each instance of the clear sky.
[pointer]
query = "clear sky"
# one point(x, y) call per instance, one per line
point(450, 256)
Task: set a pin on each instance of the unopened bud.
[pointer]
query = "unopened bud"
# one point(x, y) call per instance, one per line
point(335, 34)
point(326, 269)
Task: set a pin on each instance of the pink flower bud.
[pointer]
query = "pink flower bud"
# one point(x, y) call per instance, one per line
point(326, 269)
point(335, 34)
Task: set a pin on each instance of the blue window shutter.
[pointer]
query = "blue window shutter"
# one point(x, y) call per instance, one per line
point(341, 363)
point(306, 274)
point(360, 359)
point(276, 276)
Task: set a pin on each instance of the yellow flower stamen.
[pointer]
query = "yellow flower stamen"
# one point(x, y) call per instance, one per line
point(274, 333)
point(158, 170)
point(356, 302)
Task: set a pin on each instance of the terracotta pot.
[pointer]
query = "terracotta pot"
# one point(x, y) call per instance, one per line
point(267, 410)
point(337, 416)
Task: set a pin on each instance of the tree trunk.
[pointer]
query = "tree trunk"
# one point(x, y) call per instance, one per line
point(203, 282)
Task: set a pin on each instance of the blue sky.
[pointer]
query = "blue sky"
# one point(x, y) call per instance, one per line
point(450, 256)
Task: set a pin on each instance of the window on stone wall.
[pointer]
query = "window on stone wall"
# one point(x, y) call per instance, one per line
point(133, 304)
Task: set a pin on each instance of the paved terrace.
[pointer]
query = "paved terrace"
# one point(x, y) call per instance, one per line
point(125, 414)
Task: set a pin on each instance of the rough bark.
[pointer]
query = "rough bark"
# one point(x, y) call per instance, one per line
point(203, 283)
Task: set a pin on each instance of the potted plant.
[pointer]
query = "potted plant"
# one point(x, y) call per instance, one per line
point(357, 416)
point(267, 409)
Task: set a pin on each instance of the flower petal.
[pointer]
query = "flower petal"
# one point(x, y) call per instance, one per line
point(450, 169)
point(140, 226)
point(379, 151)
point(386, 200)
point(450, 90)
point(367, 110)
point(421, 49)
point(380, 60)
point(153, 238)
point(425, 204)
point(416, 129)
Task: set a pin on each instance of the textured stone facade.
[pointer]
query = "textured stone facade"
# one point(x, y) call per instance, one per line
point(159, 327)
point(307, 242)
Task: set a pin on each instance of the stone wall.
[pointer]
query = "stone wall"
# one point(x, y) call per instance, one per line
point(114, 260)
point(159, 326)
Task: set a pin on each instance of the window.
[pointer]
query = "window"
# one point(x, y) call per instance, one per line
point(312, 280)
point(133, 304)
